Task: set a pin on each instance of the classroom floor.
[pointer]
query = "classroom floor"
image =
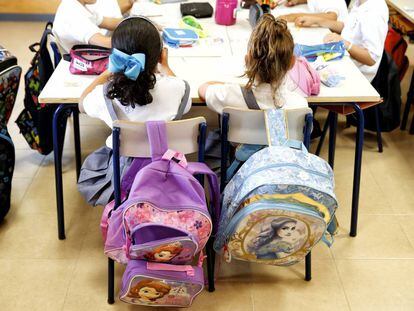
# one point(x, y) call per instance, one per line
point(374, 271)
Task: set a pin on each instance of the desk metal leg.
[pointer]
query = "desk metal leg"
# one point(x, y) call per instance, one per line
point(111, 281)
point(378, 126)
point(333, 124)
point(59, 126)
point(323, 135)
point(308, 267)
point(76, 133)
point(357, 169)
point(410, 99)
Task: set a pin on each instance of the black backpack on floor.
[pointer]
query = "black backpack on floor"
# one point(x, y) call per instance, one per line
point(35, 121)
point(9, 84)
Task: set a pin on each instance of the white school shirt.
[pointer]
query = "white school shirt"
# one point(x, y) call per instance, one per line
point(167, 95)
point(76, 24)
point(219, 96)
point(367, 27)
point(325, 6)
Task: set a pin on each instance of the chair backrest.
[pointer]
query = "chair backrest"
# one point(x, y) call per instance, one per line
point(182, 136)
point(248, 126)
point(53, 48)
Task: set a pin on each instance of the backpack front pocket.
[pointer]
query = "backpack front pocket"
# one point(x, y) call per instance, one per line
point(161, 243)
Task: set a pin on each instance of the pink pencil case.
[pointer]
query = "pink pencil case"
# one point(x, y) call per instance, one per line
point(88, 59)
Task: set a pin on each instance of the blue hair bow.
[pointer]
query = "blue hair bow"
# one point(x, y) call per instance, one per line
point(130, 65)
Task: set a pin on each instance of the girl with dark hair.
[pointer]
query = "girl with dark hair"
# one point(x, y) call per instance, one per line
point(139, 86)
point(139, 80)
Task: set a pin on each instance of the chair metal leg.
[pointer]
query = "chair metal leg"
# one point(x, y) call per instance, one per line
point(58, 126)
point(323, 135)
point(357, 169)
point(412, 127)
point(378, 126)
point(224, 150)
point(308, 267)
point(76, 135)
point(333, 124)
point(410, 99)
point(111, 281)
point(211, 260)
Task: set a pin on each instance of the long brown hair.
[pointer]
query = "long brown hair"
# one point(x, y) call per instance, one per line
point(269, 54)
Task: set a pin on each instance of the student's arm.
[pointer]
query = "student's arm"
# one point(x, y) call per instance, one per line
point(101, 40)
point(295, 2)
point(125, 5)
point(110, 23)
point(357, 52)
point(292, 17)
point(309, 21)
point(202, 90)
point(101, 79)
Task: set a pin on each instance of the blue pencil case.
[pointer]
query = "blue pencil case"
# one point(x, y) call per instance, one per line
point(177, 37)
point(329, 51)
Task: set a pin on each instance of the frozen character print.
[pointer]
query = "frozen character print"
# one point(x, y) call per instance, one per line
point(149, 291)
point(165, 253)
point(275, 240)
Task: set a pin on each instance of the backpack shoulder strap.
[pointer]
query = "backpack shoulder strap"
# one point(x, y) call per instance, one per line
point(276, 127)
point(249, 98)
point(196, 168)
point(109, 104)
point(184, 102)
point(157, 136)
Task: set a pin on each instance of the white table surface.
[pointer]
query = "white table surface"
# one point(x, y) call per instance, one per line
point(405, 7)
point(225, 64)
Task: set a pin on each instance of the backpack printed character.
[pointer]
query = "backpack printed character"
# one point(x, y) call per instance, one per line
point(149, 291)
point(165, 253)
point(278, 239)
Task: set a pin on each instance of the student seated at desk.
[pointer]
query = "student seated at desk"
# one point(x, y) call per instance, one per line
point(136, 89)
point(363, 32)
point(268, 60)
point(87, 22)
point(329, 9)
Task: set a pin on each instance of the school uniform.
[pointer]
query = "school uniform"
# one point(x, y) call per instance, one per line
point(76, 24)
point(219, 96)
point(367, 27)
point(325, 6)
point(167, 95)
point(96, 175)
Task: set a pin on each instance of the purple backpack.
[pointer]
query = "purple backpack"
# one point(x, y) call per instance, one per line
point(165, 217)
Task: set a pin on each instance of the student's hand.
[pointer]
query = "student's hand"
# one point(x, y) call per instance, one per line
point(294, 2)
point(307, 21)
point(332, 37)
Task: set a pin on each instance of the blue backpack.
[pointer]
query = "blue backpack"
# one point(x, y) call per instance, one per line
point(279, 204)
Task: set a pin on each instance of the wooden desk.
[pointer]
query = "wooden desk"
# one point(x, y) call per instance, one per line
point(404, 7)
point(65, 89)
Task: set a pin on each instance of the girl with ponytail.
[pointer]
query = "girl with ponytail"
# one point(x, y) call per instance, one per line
point(268, 60)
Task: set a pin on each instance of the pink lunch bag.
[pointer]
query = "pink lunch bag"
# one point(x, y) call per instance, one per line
point(305, 77)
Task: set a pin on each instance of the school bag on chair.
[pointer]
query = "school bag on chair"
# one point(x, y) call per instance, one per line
point(164, 220)
point(9, 85)
point(35, 121)
point(279, 204)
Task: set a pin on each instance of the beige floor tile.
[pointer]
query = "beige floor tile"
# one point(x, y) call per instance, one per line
point(378, 284)
point(19, 188)
point(27, 164)
point(407, 225)
point(30, 284)
point(379, 237)
point(30, 235)
point(284, 288)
